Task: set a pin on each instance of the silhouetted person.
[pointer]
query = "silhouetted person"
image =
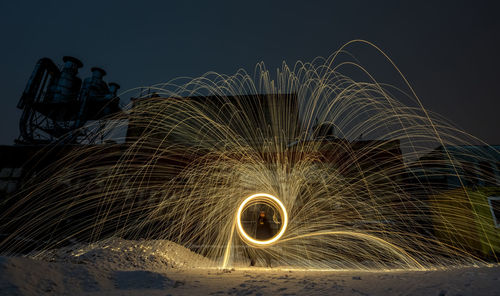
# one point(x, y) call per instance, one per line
point(263, 228)
point(263, 232)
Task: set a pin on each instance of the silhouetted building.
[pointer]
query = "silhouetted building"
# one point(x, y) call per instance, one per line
point(461, 187)
point(251, 117)
point(449, 167)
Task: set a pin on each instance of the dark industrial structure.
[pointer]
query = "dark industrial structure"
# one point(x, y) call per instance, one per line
point(56, 108)
point(56, 104)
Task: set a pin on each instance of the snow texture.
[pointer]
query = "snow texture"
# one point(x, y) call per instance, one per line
point(120, 267)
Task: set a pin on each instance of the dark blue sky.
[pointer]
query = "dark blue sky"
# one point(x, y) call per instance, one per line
point(449, 50)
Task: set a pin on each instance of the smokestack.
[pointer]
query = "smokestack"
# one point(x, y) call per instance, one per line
point(113, 88)
point(71, 64)
point(97, 73)
point(68, 84)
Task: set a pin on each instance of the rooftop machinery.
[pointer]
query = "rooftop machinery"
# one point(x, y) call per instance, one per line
point(56, 105)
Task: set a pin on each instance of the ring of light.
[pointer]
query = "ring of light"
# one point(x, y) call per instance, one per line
point(265, 198)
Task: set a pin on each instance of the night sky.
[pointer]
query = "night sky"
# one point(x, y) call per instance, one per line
point(449, 50)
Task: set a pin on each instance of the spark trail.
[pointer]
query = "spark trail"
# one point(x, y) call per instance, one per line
point(341, 155)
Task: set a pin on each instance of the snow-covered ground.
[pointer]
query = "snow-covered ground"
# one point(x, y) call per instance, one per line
point(120, 267)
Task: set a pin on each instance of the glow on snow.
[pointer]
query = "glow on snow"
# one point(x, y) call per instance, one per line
point(200, 151)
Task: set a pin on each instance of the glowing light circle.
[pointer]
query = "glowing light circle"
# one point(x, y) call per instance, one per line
point(268, 198)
